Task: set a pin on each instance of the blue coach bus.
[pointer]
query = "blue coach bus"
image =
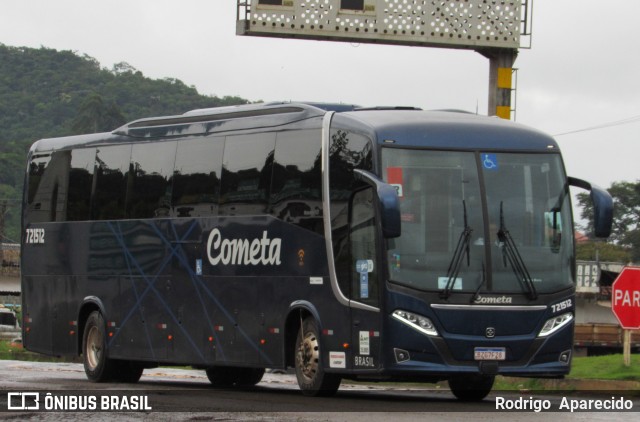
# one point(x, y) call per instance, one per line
point(348, 243)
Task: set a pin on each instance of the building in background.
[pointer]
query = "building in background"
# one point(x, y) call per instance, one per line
point(10, 300)
point(597, 330)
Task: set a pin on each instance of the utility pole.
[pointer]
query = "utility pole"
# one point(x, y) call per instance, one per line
point(500, 80)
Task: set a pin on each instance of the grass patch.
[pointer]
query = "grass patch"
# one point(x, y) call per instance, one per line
point(596, 368)
point(12, 351)
point(609, 367)
point(508, 383)
point(15, 351)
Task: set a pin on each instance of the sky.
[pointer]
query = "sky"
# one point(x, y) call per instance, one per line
point(581, 72)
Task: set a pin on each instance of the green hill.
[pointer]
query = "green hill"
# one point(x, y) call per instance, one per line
point(49, 93)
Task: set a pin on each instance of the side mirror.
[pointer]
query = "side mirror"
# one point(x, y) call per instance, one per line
point(388, 202)
point(602, 206)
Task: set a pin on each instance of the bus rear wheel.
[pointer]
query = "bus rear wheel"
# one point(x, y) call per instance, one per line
point(128, 371)
point(97, 366)
point(229, 376)
point(471, 387)
point(312, 378)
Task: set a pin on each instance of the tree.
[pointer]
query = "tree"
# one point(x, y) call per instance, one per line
point(626, 215)
point(123, 67)
point(9, 214)
point(607, 252)
point(46, 93)
point(93, 116)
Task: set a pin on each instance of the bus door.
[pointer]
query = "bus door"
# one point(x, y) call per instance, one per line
point(365, 285)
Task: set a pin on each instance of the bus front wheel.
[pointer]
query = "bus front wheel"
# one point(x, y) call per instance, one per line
point(312, 378)
point(94, 350)
point(471, 387)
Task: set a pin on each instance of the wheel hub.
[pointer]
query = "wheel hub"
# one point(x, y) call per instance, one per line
point(94, 347)
point(308, 356)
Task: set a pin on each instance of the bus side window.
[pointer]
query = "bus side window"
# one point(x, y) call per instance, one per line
point(112, 169)
point(37, 187)
point(149, 193)
point(48, 181)
point(196, 177)
point(81, 174)
point(296, 190)
point(246, 174)
point(347, 151)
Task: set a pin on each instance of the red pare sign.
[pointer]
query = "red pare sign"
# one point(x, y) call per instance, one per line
point(625, 298)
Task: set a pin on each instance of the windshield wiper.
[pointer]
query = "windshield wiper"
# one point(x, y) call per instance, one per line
point(462, 248)
point(483, 278)
point(510, 252)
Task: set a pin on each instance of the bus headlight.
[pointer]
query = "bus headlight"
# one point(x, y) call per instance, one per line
point(415, 321)
point(554, 324)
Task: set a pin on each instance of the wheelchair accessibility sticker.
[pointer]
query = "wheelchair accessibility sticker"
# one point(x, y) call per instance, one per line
point(489, 161)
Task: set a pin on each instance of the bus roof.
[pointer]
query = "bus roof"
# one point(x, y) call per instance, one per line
point(402, 126)
point(450, 129)
point(195, 122)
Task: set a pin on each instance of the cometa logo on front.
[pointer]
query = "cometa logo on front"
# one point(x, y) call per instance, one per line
point(259, 251)
point(493, 300)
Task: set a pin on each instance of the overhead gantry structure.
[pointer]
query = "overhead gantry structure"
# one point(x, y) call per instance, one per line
point(494, 28)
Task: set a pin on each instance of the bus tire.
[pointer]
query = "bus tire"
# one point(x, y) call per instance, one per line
point(471, 387)
point(312, 378)
point(97, 366)
point(229, 376)
point(249, 377)
point(220, 376)
point(128, 371)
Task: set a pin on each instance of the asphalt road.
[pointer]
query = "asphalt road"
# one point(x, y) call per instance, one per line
point(185, 395)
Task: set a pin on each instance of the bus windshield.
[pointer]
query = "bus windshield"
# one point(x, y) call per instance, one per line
point(514, 239)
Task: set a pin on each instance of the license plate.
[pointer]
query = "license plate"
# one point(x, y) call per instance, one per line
point(489, 353)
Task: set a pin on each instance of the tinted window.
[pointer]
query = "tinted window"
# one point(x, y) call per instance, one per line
point(83, 162)
point(48, 186)
point(149, 193)
point(296, 192)
point(444, 245)
point(347, 151)
point(112, 171)
point(37, 167)
point(196, 179)
point(246, 174)
point(527, 197)
point(364, 263)
point(441, 210)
